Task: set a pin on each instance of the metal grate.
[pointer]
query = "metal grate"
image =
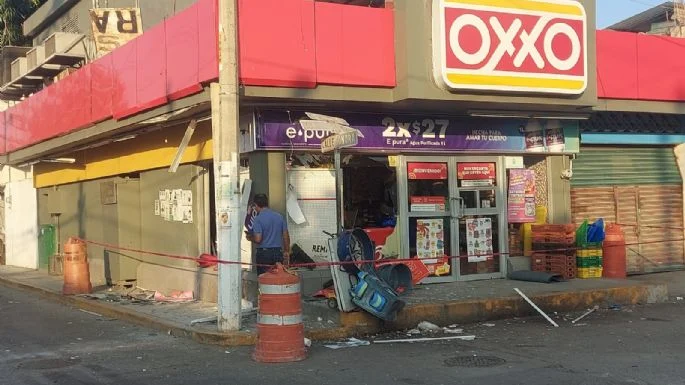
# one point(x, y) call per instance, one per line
point(633, 122)
point(71, 24)
point(474, 361)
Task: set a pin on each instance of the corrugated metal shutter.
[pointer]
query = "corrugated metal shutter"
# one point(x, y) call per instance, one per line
point(640, 188)
point(602, 166)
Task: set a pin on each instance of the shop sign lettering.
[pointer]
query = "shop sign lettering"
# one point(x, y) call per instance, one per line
point(319, 249)
point(338, 141)
point(526, 46)
point(114, 27)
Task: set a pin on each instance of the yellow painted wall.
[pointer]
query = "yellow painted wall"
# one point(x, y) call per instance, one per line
point(145, 152)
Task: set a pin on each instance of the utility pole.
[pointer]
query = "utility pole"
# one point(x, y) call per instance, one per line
point(225, 135)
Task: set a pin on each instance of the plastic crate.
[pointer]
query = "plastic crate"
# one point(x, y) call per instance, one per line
point(589, 261)
point(589, 253)
point(565, 229)
point(554, 249)
point(554, 238)
point(589, 272)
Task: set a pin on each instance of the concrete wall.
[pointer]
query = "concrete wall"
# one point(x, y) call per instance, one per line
point(21, 229)
point(77, 210)
point(559, 190)
point(77, 18)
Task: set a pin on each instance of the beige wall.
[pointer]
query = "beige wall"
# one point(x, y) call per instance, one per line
point(130, 223)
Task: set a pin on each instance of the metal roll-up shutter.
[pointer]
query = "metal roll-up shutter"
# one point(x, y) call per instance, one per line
point(639, 188)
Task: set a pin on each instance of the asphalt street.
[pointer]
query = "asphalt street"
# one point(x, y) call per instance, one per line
point(47, 343)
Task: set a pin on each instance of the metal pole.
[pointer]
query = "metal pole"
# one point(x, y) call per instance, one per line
point(339, 190)
point(225, 135)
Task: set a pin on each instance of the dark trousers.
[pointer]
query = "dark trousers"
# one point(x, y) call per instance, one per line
point(268, 256)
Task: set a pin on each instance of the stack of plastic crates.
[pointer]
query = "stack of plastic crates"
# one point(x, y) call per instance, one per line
point(554, 249)
point(589, 254)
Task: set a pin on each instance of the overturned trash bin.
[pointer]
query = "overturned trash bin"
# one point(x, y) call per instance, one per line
point(376, 297)
point(397, 276)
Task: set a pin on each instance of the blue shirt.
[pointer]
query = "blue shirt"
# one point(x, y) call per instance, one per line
point(271, 226)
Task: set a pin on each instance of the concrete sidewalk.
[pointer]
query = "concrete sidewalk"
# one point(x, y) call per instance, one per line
point(443, 304)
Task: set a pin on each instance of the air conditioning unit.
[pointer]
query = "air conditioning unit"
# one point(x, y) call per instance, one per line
point(18, 68)
point(35, 57)
point(59, 42)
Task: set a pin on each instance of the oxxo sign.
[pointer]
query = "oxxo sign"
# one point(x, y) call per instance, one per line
point(513, 45)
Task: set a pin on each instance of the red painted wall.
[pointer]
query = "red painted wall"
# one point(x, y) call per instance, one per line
point(292, 43)
point(640, 67)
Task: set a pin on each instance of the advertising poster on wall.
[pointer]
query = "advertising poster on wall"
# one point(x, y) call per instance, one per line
point(479, 239)
point(430, 245)
point(521, 199)
point(276, 130)
point(427, 204)
point(476, 174)
point(426, 171)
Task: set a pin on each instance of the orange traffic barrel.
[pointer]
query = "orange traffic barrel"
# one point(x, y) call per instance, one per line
point(280, 331)
point(614, 252)
point(76, 269)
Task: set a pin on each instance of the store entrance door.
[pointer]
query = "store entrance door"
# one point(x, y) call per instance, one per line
point(454, 206)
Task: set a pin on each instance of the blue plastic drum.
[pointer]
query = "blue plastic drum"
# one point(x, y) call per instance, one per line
point(355, 245)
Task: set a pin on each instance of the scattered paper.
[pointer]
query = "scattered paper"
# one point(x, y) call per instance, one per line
point(350, 343)
point(452, 331)
point(293, 207)
point(307, 342)
point(176, 296)
point(490, 325)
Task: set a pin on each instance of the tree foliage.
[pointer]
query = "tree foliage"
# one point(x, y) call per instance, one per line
point(12, 15)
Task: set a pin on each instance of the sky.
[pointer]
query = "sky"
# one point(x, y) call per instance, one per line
point(612, 11)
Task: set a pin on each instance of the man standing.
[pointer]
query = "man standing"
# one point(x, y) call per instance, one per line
point(270, 235)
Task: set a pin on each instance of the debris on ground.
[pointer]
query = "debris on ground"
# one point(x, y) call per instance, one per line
point(91, 313)
point(428, 339)
point(307, 342)
point(413, 331)
point(350, 343)
point(490, 325)
point(519, 292)
point(453, 330)
point(679, 298)
point(615, 307)
point(175, 296)
point(595, 308)
point(426, 326)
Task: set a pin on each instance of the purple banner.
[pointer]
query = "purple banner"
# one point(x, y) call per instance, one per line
point(426, 134)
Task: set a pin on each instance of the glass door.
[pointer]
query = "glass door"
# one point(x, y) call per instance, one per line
point(427, 214)
point(480, 217)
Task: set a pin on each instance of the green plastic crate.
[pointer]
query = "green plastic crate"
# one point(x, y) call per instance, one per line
point(589, 261)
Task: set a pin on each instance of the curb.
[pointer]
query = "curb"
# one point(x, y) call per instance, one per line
point(171, 328)
point(360, 323)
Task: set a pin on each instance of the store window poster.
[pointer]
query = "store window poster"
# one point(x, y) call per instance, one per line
point(430, 245)
point(521, 197)
point(479, 239)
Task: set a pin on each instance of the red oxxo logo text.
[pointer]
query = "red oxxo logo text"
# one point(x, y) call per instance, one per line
point(513, 45)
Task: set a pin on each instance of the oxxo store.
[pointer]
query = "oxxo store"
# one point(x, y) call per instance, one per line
point(428, 187)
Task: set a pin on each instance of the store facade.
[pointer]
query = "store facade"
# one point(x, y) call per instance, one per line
point(630, 172)
point(445, 189)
